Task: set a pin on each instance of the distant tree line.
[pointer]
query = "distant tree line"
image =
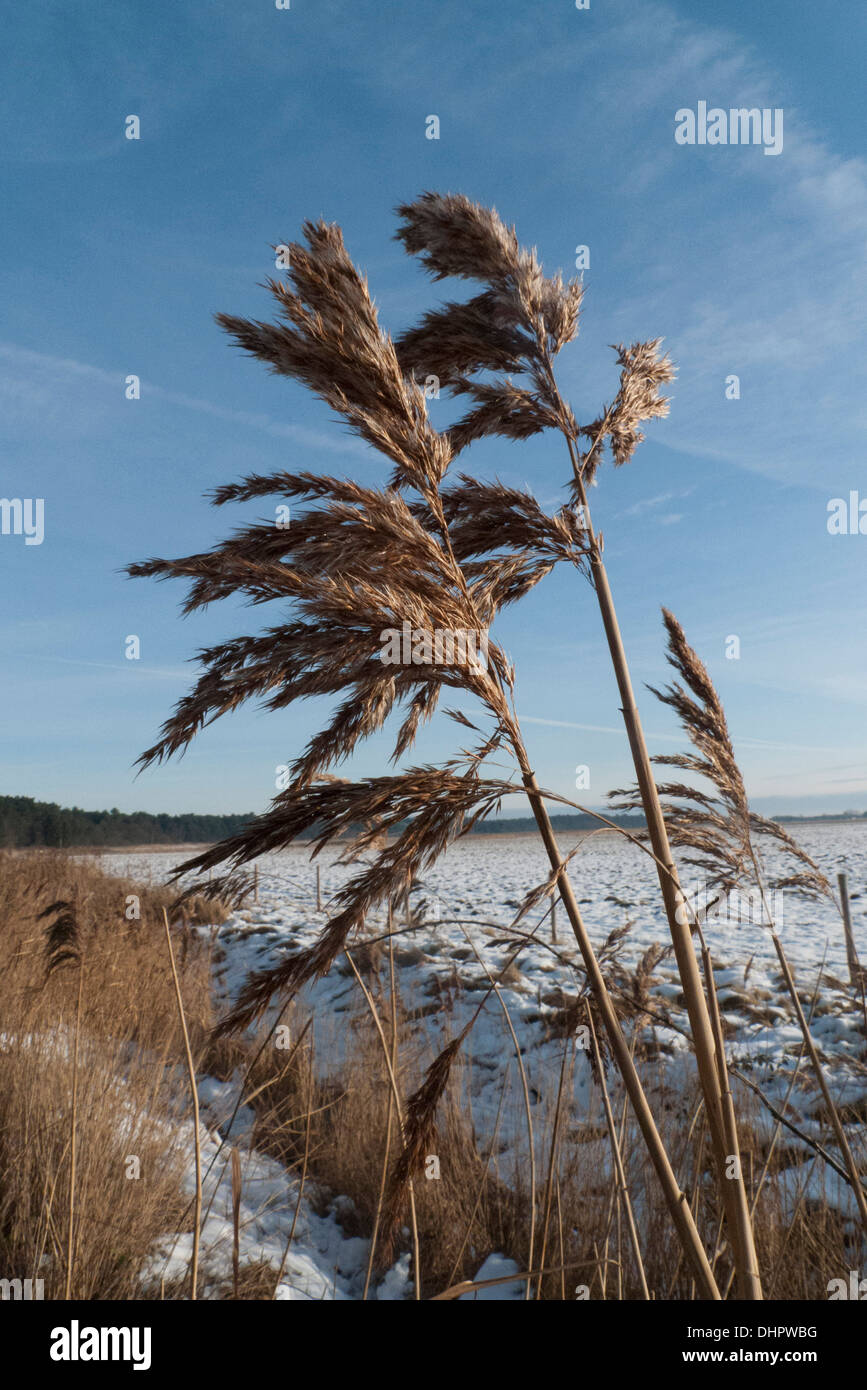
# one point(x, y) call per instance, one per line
point(25, 822)
point(520, 825)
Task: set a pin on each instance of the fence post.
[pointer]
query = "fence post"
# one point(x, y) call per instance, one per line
point(851, 953)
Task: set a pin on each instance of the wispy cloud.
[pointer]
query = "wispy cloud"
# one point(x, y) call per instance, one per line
point(36, 384)
point(678, 737)
point(569, 724)
point(777, 300)
point(646, 503)
point(335, 443)
point(124, 667)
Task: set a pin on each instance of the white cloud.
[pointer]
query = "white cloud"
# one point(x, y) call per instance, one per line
point(37, 387)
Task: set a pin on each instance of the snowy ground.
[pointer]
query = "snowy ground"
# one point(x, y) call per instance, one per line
point(479, 884)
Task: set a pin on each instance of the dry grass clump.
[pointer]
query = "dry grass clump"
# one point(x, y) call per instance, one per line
point(90, 1092)
point(343, 1122)
point(483, 1203)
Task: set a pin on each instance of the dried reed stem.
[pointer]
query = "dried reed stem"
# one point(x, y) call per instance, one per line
point(778, 1128)
point(618, 1157)
point(745, 1256)
point(194, 1098)
point(699, 1018)
point(236, 1219)
point(527, 1107)
point(552, 1160)
point(855, 1180)
point(73, 1120)
point(392, 1076)
point(303, 1178)
point(386, 1154)
point(482, 1181)
point(677, 1204)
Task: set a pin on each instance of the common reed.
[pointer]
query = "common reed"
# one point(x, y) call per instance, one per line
point(724, 837)
point(435, 552)
point(63, 949)
point(455, 237)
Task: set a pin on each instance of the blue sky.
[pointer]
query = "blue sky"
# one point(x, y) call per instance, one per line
point(114, 255)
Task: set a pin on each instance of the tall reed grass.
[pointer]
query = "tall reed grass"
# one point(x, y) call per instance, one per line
point(431, 553)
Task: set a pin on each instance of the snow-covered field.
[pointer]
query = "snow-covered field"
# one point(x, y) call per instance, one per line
point(478, 886)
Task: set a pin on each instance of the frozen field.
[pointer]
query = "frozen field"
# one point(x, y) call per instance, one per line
point(478, 885)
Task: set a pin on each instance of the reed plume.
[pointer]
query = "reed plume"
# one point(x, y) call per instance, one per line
point(726, 836)
point(62, 943)
point(358, 562)
point(453, 236)
point(64, 949)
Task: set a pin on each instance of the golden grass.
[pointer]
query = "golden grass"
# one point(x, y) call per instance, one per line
point(129, 1089)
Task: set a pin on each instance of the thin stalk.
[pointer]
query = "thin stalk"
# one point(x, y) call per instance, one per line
point(698, 1154)
point(527, 1108)
point(392, 1076)
point(818, 1149)
point(383, 1177)
point(560, 1235)
point(845, 913)
point(757, 1191)
point(303, 1179)
point(855, 972)
point(482, 1181)
point(552, 1159)
point(771, 1148)
point(194, 1097)
point(677, 1204)
point(745, 1257)
point(855, 1181)
point(836, 1122)
point(236, 1220)
point(73, 1121)
point(696, 1004)
point(601, 1270)
point(618, 1161)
